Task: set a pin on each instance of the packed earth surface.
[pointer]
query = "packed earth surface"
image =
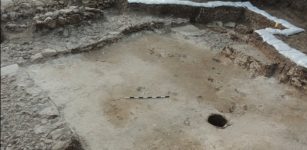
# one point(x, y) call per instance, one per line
point(131, 75)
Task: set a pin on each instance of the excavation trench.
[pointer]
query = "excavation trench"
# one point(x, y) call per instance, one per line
point(198, 65)
point(239, 23)
point(249, 22)
point(182, 64)
point(205, 15)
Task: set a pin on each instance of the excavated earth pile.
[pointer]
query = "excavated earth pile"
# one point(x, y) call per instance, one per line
point(108, 74)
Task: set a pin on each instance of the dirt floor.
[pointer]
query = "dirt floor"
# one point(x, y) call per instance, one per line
point(70, 88)
point(90, 88)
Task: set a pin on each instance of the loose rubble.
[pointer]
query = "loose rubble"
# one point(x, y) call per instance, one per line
point(37, 57)
point(294, 75)
point(30, 120)
point(249, 62)
point(62, 17)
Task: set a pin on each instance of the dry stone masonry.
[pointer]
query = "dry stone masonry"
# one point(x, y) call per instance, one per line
point(62, 17)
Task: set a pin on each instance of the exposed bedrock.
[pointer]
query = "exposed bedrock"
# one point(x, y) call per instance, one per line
point(249, 62)
point(284, 72)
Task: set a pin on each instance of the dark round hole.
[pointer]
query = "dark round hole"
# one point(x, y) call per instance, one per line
point(217, 120)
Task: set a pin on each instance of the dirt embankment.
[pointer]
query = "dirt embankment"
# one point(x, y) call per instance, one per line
point(298, 7)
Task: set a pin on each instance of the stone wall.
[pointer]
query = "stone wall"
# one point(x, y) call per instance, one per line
point(88, 3)
point(62, 17)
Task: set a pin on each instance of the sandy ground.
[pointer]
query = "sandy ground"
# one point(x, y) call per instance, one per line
point(263, 113)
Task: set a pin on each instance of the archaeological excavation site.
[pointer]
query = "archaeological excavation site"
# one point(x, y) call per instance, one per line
point(153, 75)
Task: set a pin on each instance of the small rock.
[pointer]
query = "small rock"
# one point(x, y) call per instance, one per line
point(255, 65)
point(25, 5)
point(48, 141)
point(210, 79)
point(61, 21)
point(9, 148)
point(241, 60)
point(11, 26)
point(296, 82)
point(291, 72)
point(44, 121)
point(215, 24)
point(12, 15)
point(49, 52)
point(15, 27)
point(49, 14)
point(20, 60)
point(37, 57)
point(63, 51)
point(114, 33)
point(66, 33)
point(228, 50)
point(187, 122)
point(60, 145)
point(40, 129)
point(210, 25)
point(4, 16)
point(51, 23)
point(61, 2)
point(40, 9)
point(219, 23)
point(230, 24)
point(9, 70)
point(243, 29)
point(139, 89)
point(49, 113)
point(283, 78)
point(56, 134)
point(74, 18)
